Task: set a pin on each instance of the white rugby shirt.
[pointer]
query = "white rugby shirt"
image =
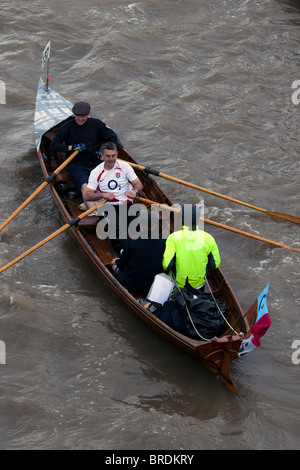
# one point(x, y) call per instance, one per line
point(117, 180)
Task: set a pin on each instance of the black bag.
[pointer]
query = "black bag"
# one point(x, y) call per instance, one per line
point(204, 312)
point(171, 314)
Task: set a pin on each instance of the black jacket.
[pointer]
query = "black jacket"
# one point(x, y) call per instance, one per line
point(93, 133)
point(142, 260)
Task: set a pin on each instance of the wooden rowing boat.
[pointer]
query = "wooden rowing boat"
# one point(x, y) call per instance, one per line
point(216, 355)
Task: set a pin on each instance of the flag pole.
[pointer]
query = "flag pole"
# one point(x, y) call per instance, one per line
point(46, 58)
point(48, 77)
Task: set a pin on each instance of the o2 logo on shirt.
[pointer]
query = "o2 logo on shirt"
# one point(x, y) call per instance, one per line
point(113, 184)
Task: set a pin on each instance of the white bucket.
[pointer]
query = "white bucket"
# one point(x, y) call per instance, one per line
point(161, 288)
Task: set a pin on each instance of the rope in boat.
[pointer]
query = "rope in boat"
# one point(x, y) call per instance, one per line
point(220, 311)
point(217, 305)
point(188, 312)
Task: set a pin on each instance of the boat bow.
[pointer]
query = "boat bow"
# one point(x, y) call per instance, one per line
point(50, 109)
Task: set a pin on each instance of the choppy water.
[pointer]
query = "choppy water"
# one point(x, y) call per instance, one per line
point(201, 90)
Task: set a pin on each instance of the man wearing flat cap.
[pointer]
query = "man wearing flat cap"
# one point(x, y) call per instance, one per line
point(85, 134)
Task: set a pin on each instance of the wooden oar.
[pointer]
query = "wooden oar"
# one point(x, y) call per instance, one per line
point(40, 188)
point(53, 235)
point(280, 215)
point(226, 227)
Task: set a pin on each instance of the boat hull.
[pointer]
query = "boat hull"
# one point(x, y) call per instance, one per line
point(215, 355)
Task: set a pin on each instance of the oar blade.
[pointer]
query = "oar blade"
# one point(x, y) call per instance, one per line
point(290, 218)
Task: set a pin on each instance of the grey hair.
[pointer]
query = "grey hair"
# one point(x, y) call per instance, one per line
point(109, 146)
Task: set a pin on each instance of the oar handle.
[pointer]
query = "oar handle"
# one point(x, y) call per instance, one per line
point(66, 162)
point(53, 235)
point(39, 189)
point(226, 227)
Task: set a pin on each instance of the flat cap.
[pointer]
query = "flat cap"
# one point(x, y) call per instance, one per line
point(81, 108)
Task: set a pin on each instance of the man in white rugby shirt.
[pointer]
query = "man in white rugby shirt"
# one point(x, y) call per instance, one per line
point(111, 180)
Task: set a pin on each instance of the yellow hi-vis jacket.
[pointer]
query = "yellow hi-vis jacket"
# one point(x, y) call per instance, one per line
point(194, 251)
